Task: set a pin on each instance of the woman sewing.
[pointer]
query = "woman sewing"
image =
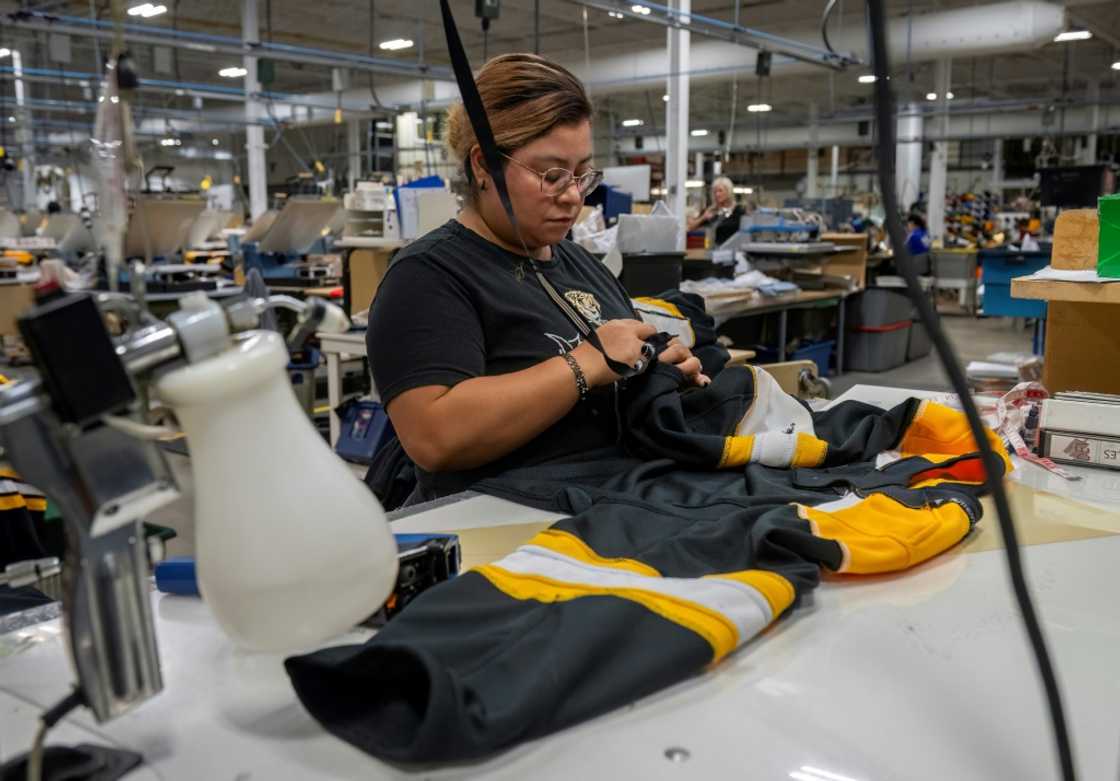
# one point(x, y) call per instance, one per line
point(723, 215)
point(480, 370)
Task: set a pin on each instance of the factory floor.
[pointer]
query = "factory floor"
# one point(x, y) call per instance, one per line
point(975, 338)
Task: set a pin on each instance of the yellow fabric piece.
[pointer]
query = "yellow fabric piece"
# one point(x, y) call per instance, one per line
point(573, 547)
point(940, 429)
point(778, 591)
point(716, 629)
point(809, 451)
point(664, 306)
point(736, 451)
point(19, 501)
point(879, 534)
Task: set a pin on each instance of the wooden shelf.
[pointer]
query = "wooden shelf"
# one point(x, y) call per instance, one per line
point(1056, 290)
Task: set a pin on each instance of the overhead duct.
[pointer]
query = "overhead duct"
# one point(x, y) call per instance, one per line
point(1019, 25)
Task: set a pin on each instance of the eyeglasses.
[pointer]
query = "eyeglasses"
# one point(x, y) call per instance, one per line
point(556, 181)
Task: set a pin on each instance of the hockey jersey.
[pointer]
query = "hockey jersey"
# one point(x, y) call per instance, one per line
point(720, 516)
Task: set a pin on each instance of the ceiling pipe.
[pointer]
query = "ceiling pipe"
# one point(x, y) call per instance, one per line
point(220, 44)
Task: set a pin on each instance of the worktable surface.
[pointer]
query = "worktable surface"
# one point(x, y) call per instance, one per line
point(923, 674)
point(1060, 290)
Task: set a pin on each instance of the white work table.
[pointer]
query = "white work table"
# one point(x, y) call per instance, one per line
point(337, 348)
point(923, 674)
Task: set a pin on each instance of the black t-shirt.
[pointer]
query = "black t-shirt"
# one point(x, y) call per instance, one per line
point(726, 227)
point(453, 306)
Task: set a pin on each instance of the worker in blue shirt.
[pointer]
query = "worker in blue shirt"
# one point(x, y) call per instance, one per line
point(917, 240)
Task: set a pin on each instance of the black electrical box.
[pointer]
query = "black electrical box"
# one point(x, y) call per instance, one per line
point(487, 9)
point(762, 63)
point(76, 358)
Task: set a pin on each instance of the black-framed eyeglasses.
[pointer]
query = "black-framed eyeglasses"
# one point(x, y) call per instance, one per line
point(554, 181)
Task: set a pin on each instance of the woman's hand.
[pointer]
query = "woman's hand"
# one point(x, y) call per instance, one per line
point(680, 356)
point(623, 341)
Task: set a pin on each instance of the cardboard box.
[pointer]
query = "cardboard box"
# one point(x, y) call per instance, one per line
point(1075, 239)
point(852, 263)
point(14, 299)
point(367, 267)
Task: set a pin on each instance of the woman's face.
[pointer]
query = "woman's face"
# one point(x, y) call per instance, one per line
point(544, 219)
point(722, 194)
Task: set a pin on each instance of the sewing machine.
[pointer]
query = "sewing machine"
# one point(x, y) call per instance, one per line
point(279, 250)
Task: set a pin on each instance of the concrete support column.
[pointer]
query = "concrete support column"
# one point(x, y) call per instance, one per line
point(676, 117)
point(24, 135)
point(811, 171)
point(834, 172)
point(939, 161)
point(908, 171)
point(254, 112)
point(353, 151)
point(1089, 151)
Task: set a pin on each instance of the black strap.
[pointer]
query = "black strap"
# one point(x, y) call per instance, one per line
point(476, 112)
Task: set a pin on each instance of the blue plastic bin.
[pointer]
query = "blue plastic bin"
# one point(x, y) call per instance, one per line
point(819, 353)
point(999, 267)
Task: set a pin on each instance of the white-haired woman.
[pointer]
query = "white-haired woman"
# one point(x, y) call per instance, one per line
point(723, 215)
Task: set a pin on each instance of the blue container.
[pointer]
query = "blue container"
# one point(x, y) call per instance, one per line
point(1001, 266)
point(819, 353)
point(365, 429)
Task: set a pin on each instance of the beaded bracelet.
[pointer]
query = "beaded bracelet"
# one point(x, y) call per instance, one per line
point(581, 380)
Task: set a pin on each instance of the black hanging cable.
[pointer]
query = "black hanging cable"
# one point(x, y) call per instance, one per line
point(884, 112)
point(492, 156)
point(824, 24)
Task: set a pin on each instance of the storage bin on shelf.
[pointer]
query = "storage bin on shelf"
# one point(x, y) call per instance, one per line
point(819, 352)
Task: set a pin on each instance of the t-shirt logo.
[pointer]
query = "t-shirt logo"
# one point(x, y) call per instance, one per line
point(587, 305)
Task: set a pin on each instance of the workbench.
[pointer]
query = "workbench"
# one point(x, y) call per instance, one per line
point(921, 674)
point(1082, 344)
point(732, 305)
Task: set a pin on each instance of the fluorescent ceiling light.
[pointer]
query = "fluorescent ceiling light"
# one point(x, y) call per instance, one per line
point(949, 96)
point(233, 72)
point(666, 97)
point(742, 190)
point(615, 15)
point(5, 52)
point(756, 108)
point(11, 119)
point(632, 122)
point(384, 125)
point(147, 10)
point(214, 142)
point(931, 96)
point(694, 184)
point(867, 78)
point(170, 142)
point(1072, 35)
point(395, 45)
point(700, 132)
point(1115, 65)
point(640, 9)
